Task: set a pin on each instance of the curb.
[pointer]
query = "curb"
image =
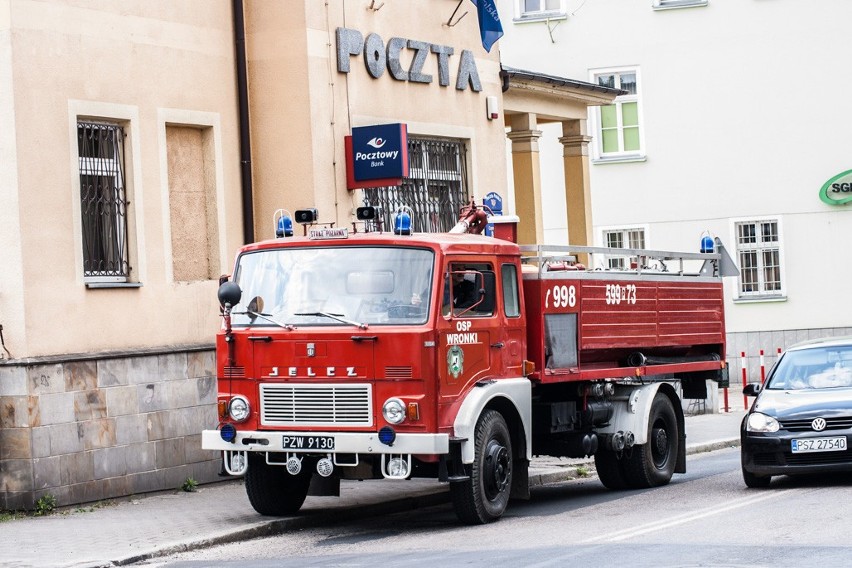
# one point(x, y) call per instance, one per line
point(279, 526)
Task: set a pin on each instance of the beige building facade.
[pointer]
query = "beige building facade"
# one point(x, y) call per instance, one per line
point(142, 143)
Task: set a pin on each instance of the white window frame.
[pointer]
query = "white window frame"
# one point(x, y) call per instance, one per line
point(598, 155)
point(673, 4)
point(760, 295)
point(524, 15)
point(620, 262)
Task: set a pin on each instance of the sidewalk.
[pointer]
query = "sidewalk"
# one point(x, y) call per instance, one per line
point(127, 531)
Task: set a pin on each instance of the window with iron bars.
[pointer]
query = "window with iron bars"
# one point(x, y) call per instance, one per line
point(103, 201)
point(435, 189)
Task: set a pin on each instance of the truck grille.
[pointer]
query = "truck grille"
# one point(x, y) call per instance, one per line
point(296, 404)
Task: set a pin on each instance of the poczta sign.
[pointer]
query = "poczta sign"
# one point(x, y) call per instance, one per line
point(377, 58)
point(837, 190)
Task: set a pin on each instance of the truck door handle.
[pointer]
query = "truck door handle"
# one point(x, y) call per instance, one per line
point(365, 337)
point(498, 345)
point(264, 338)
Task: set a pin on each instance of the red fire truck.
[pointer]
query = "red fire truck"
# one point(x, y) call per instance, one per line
point(354, 354)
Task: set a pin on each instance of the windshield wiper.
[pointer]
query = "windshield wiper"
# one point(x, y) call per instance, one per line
point(267, 317)
point(336, 317)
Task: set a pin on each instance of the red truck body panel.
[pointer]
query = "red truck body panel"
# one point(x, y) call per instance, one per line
point(615, 315)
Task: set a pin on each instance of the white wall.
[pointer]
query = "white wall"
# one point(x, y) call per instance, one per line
point(743, 114)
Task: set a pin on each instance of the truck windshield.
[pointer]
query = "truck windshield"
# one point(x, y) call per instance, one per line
point(317, 286)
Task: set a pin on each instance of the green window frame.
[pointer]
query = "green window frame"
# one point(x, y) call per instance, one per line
point(619, 128)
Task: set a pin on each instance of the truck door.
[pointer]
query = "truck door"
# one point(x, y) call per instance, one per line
point(512, 342)
point(466, 332)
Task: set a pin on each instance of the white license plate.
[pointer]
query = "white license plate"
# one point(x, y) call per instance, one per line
point(804, 445)
point(309, 443)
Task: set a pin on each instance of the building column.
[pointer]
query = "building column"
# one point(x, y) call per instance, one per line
point(527, 176)
point(578, 200)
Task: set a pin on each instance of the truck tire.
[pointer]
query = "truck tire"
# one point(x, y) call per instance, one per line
point(610, 469)
point(271, 490)
point(483, 498)
point(652, 464)
point(756, 481)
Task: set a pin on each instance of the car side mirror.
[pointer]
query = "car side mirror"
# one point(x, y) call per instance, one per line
point(752, 389)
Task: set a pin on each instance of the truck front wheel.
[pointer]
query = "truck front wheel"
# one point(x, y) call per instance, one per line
point(271, 490)
point(483, 498)
point(652, 464)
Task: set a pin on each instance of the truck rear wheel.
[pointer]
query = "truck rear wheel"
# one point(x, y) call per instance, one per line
point(483, 498)
point(610, 469)
point(652, 464)
point(271, 490)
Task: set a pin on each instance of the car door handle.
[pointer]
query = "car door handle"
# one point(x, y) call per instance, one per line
point(498, 345)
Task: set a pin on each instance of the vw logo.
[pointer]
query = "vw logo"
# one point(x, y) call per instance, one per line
point(818, 424)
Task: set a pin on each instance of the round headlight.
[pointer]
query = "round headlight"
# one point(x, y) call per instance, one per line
point(239, 409)
point(758, 422)
point(393, 410)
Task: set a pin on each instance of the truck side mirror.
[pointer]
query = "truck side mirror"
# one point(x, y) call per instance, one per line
point(488, 292)
point(230, 293)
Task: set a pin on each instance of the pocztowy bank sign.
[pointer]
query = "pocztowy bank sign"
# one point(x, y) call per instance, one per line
point(377, 58)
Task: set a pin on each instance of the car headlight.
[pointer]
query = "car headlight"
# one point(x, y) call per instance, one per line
point(239, 409)
point(758, 422)
point(393, 410)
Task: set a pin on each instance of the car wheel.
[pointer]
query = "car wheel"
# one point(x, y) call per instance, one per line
point(756, 481)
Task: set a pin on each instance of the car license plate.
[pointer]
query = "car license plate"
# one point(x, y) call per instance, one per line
point(804, 445)
point(309, 443)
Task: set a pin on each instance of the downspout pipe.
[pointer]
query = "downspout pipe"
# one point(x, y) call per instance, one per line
point(245, 138)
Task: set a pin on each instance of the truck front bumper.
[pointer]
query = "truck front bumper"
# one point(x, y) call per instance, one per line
point(344, 442)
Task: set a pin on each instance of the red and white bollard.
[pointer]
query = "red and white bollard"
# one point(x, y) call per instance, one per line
point(745, 378)
point(762, 368)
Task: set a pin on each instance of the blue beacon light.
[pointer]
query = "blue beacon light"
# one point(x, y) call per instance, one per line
point(707, 245)
point(402, 221)
point(285, 227)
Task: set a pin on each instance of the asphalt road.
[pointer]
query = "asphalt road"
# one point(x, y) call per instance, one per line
point(704, 518)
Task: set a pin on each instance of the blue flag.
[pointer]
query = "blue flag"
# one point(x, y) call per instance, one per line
point(490, 28)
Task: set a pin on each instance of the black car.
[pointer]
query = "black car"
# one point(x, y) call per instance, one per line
point(801, 421)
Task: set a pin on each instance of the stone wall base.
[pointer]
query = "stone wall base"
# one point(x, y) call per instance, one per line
point(93, 427)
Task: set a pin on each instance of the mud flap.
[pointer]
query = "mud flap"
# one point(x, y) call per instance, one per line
point(451, 468)
point(680, 465)
point(520, 480)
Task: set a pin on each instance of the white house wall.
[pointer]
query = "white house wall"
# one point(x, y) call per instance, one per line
point(744, 116)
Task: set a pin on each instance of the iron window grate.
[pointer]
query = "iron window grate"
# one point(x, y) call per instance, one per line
point(435, 189)
point(103, 200)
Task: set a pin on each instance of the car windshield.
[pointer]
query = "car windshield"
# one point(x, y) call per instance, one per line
point(814, 368)
point(299, 287)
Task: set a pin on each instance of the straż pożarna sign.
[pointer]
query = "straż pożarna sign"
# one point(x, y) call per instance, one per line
point(837, 190)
